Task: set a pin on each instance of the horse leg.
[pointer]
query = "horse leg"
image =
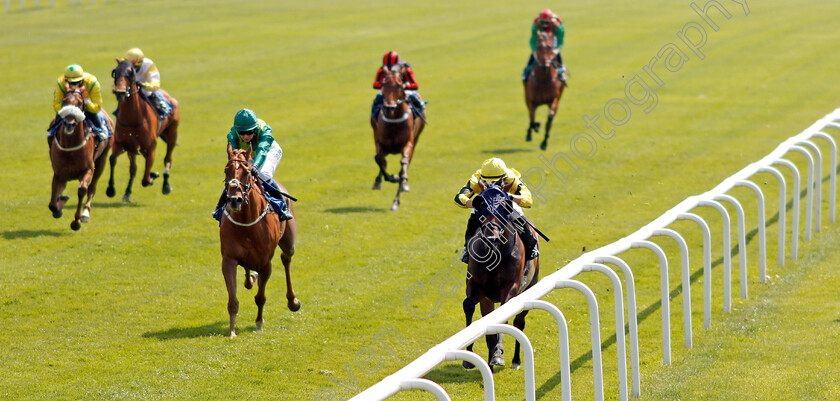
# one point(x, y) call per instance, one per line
point(292, 302)
point(171, 136)
point(407, 153)
point(116, 150)
point(229, 272)
point(469, 310)
point(148, 175)
point(57, 200)
point(250, 278)
point(380, 160)
point(98, 168)
point(544, 143)
point(532, 126)
point(519, 323)
point(260, 297)
point(84, 181)
point(495, 348)
point(132, 171)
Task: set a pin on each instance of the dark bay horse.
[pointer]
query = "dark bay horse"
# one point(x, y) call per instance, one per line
point(250, 231)
point(497, 269)
point(138, 128)
point(543, 86)
point(395, 131)
point(74, 156)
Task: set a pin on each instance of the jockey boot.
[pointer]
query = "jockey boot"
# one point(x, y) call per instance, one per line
point(528, 238)
point(159, 104)
point(94, 121)
point(273, 189)
point(220, 207)
point(472, 225)
point(561, 73)
point(374, 108)
point(528, 67)
point(418, 104)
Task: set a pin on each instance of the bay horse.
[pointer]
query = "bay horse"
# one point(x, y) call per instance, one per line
point(395, 131)
point(497, 269)
point(74, 155)
point(138, 128)
point(543, 86)
point(249, 233)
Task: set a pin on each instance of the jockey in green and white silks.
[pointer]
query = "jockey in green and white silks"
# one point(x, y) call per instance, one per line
point(547, 21)
point(249, 130)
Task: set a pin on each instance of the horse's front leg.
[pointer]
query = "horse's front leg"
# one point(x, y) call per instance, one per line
point(229, 272)
point(259, 299)
point(56, 199)
point(132, 171)
point(115, 151)
point(407, 154)
point(519, 323)
point(149, 156)
point(292, 302)
point(84, 181)
point(495, 348)
point(380, 161)
point(469, 310)
point(551, 111)
point(170, 135)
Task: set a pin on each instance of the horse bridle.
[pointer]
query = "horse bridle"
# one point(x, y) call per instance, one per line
point(128, 92)
point(234, 183)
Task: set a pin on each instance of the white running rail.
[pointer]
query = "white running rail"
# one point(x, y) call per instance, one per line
point(410, 376)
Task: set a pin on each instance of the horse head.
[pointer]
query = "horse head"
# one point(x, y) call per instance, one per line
point(545, 50)
point(125, 80)
point(238, 177)
point(393, 90)
point(494, 207)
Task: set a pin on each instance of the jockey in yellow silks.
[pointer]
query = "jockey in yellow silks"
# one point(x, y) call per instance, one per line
point(75, 76)
point(494, 171)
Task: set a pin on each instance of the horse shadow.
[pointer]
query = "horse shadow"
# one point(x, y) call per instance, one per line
point(454, 373)
point(114, 205)
point(219, 328)
point(506, 151)
point(26, 234)
point(355, 209)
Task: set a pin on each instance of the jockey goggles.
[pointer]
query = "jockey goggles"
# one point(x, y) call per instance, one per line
point(252, 131)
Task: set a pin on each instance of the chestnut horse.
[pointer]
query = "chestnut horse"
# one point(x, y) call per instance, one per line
point(497, 269)
point(395, 131)
point(249, 232)
point(74, 155)
point(543, 86)
point(137, 129)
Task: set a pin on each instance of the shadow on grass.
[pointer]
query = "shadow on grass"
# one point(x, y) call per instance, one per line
point(219, 328)
point(452, 373)
point(355, 209)
point(25, 234)
point(113, 205)
point(507, 151)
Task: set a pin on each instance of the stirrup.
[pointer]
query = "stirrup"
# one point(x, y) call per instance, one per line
point(465, 256)
point(285, 214)
point(534, 254)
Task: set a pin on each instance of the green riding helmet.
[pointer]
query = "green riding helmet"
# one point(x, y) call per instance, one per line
point(245, 120)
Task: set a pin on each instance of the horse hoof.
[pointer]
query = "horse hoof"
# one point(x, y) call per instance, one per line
point(75, 225)
point(467, 365)
point(232, 334)
point(64, 198)
point(154, 175)
point(393, 178)
point(528, 137)
point(376, 186)
point(515, 365)
point(294, 305)
point(250, 280)
point(497, 361)
point(126, 198)
point(56, 212)
point(147, 183)
point(259, 325)
point(110, 192)
point(167, 188)
point(405, 188)
point(394, 208)
point(543, 146)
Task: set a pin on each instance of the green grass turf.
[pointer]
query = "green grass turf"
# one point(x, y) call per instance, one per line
point(133, 306)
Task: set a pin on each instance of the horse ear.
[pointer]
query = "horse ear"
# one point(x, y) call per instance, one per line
point(118, 59)
point(248, 151)
point(230, 152)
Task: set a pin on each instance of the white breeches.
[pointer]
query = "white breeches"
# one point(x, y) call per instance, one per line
point(272, 159)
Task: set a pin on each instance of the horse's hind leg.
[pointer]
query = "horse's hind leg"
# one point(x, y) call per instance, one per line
point(544, 143)
point(132, 171)
point(148, 175)
point(260, 297)
point(519, 323)
point(98, 169)
point(287, 246)
point(469, 310)
point(229, 272)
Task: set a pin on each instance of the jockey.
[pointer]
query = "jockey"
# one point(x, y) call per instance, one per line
point(494, 171)
point(148, 77)
point(547, 21)
point(248, 129)
point(389, 61)
point(75, 76)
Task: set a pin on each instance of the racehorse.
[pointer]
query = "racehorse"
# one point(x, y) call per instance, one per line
point(137, 129)
point(249, 232)
point(395, 131)
point(497, 268)
point(74, 155)
point(543, 86)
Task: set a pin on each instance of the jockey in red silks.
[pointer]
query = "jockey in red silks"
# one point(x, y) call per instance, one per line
point(389, 61)
point(547, 21)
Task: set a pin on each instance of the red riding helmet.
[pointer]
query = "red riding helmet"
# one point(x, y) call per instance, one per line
point(546, 15)
point(390, 58)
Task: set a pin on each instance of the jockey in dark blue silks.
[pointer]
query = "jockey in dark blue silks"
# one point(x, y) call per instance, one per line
point(249, 130)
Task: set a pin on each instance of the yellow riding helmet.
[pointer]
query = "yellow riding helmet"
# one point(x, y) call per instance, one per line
point(493, 169)
point(74, 73)
point(134, 55)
